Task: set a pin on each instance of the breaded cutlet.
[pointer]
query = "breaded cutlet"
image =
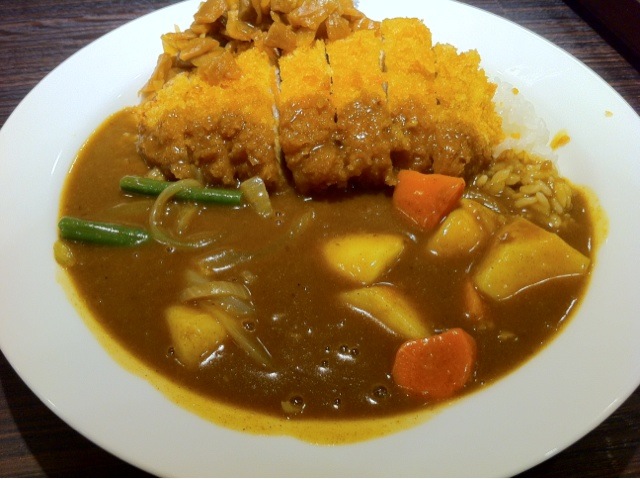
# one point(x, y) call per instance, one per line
point(440, 102)
point(307, 119)
point(363, 120)
point(409, 66)
point(350, 111)
point(223, 133)
point(467, 124)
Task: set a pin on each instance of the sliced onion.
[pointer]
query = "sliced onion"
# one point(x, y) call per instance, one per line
point(223, 260)
point(231, 297)
point(194, 277)
point(185, 217)
point(159, 233)
point(248, 277)
point(243, 339)
point(236, 306)
point(255, 193)
point(302, 224)
point(215, 289)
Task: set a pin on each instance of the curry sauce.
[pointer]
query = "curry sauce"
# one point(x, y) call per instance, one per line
point(329, 361)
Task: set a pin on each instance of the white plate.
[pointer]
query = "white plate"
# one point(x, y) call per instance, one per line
point(564, 392)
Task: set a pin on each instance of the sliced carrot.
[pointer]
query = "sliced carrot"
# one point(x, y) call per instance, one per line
point(427, 198)
point(474, 307)
point(438, 366)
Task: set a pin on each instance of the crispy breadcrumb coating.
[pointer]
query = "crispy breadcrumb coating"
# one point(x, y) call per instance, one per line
point(220, 133)
point(357, 100)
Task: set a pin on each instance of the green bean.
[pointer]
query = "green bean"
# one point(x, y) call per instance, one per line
point(111, 234)
point(148, 186)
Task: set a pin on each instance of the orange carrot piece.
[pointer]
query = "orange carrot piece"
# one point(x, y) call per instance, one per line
point(474, 307)
point(427, 198)
point(436, 367)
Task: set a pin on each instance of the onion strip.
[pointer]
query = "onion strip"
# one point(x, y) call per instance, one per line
point(255, 193)
point(194, 277)
point(302, 223)
point(214, 289)
point(235, 306)
point(248, 343)
point(159, 233)
point(186, 214)
point(223, 260)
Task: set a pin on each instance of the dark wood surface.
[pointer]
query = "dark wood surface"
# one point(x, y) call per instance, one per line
point(36, 35)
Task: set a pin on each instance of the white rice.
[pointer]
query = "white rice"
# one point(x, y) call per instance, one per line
point(523, 174)
point(524, 130)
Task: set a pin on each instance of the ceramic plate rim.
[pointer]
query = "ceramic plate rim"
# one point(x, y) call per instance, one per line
point(495, 432)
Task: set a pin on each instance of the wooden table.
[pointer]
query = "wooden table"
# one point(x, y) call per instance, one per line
point(36, 35)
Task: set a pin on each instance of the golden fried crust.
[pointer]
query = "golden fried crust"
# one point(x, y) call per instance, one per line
point(440, 102)
point(409, 65)
point(223, 133)
point(363, 121)
point(468, 127)
point(351, 109)
point(308, 130)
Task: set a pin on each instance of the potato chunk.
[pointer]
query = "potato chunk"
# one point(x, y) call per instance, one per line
point(387, 306)
point(194, 334)
point(464, 230)
point(524, 255)
point(363, 257)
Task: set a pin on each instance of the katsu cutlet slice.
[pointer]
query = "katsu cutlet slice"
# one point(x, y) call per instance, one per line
point(468, 127)
point(255, 149)
point(361, 107)
point(223, 133)
point(409, 65)
point(307, 120)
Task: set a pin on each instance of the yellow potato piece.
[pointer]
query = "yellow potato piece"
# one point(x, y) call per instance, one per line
point(194, 334)
point(363, 257)
point(458, 235)
point(463, 231)
point(387, 306)
point(524, 255)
